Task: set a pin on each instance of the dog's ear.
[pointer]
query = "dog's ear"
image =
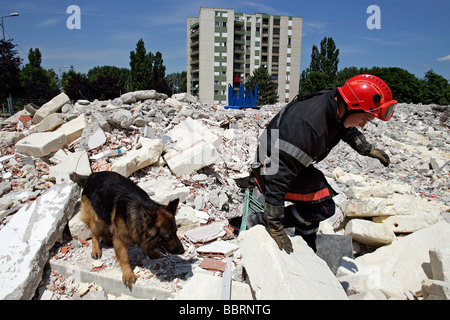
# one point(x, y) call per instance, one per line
point(172, 206)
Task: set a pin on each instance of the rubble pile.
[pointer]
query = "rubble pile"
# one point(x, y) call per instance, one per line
point(178, 147)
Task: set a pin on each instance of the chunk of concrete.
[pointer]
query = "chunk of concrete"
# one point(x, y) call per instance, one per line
point(121, 118)
point(140, 158)
point(50, 107)
point(332, 248)
point(41, 144)
point(193, 159)
point(409, 223)
point(27, 238)
point(406, 257)
point(185, 97)
point(144, 94)
point(369, 233)
point(189, 132)
point(186, 219)
point(275, 275)
point(10, 138)
point(440, 263)
point(203, 286)
point(50, 122)
point(435, 290)
point(165, 190)
point(77, 162)
point(74, 128)
point(395, 204)
point(357, 277)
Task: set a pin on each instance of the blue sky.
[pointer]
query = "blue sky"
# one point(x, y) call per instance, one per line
point(414, 35)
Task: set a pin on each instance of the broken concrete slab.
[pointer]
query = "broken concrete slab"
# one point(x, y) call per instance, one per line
point(332, 248)
point(369, 233)
point(409, 223)
point(204, 286)
point(41, 144)
point(218, 248)
point(10, 138)
point(186, 219)
point(165, 190)
point(406, 257)
point(299, 275)
point(136, 159)
point(50, 107)
point(435, 290)
point(121, 118)
point(50, 122)
point(206, 233)
point(440, 263)
point(395, 204)
point(74, 128)
point(357, 277)
point(69, 162)
point(26, 241)
point(193, 159)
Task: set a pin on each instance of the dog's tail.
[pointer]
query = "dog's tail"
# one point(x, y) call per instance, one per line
point(78, 179)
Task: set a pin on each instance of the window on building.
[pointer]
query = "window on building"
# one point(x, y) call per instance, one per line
point(276, 22)
point(224, 24)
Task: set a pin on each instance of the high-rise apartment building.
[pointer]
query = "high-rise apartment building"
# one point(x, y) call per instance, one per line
point(225, 47)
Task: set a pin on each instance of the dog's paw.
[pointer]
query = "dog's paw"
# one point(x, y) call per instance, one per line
point(96, 254)
point(129, 279)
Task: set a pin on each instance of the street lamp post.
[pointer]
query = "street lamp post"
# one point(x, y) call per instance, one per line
point(14, 14)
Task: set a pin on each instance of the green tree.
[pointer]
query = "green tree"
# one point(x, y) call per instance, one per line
point(121, 74)
point(177, 81)
point(183, 82)
point(405, 86)
point(9, 69)
point(37, 82)
point(322, 69)
point(267, 89)
point(76, 85)
point(435, 89)
point(141, 68)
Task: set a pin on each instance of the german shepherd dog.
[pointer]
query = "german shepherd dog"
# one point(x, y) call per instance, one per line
point(114, 205)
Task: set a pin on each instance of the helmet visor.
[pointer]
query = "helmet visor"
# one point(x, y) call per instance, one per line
point(385, 111)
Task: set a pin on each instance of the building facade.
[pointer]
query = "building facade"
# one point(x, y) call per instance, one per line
point(225, 47)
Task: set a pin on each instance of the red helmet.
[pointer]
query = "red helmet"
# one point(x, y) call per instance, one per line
point(370, 94)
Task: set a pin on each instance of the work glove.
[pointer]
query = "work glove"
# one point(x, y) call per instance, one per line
point(360, 144)
point(274, 215)
point(380, 155)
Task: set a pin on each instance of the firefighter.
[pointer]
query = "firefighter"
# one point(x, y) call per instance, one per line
point(303, 133)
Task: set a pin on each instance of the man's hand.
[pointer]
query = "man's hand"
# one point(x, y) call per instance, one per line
point(380, 155)
point(274, 215)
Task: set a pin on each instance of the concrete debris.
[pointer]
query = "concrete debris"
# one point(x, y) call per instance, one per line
point(30, 234)
point(276, 275)
point(396, 218)
point(50, 107)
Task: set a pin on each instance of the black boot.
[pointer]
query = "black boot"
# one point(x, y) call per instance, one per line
point(309, 238)
point(253, 219)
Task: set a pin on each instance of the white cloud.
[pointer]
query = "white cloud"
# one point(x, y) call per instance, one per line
point(446, 58)
point(49, 22)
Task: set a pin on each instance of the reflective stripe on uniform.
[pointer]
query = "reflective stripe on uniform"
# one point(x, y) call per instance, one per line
point(294, 151)
point(297, 216)
point(305, 232)
point(313, 196)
